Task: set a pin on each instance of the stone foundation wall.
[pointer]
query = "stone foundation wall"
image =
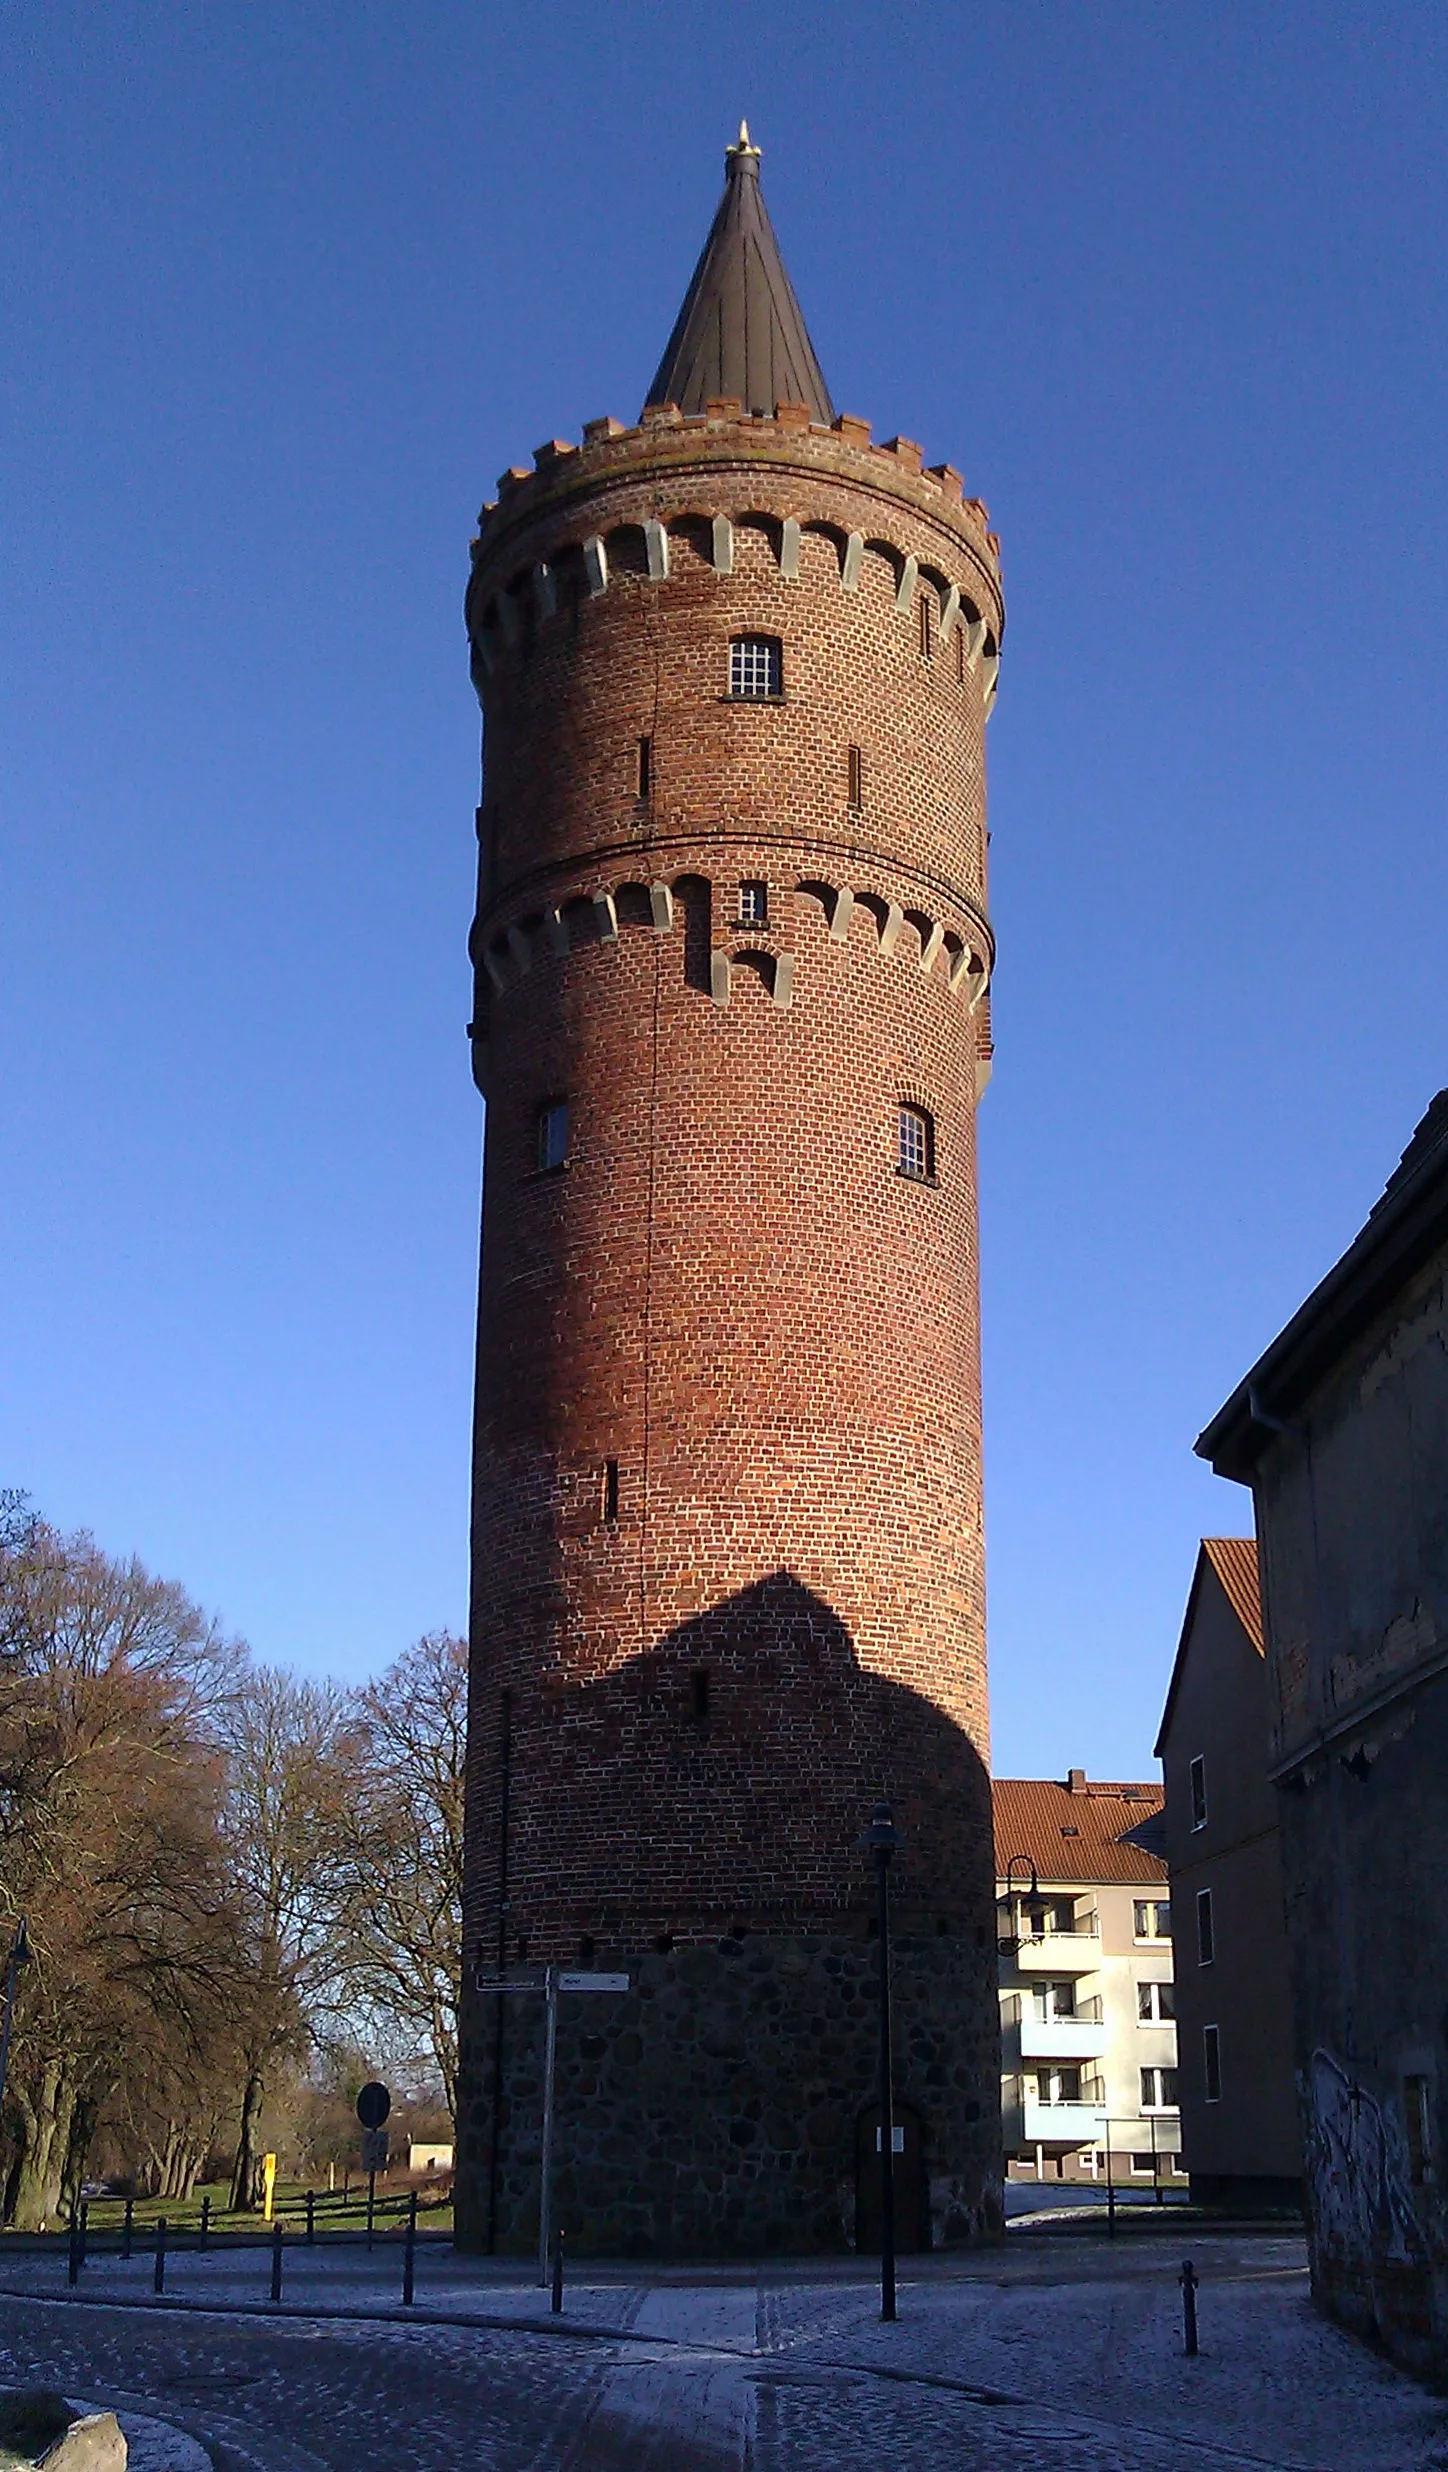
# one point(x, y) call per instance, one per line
point(716, 2108)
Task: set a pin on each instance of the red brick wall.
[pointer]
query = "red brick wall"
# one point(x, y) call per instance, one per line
point(728, 1289)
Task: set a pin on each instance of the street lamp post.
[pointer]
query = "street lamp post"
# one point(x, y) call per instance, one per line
point(20, 1955)
point(882, 1841)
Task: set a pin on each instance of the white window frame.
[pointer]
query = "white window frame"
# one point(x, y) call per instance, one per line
point(756, 668)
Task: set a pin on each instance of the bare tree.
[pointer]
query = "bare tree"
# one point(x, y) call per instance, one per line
point(109, 1839)
point(403, 1877)
point(284, 1743)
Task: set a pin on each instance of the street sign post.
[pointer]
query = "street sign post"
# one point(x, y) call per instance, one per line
point(552, 1981)
point(373, 2105)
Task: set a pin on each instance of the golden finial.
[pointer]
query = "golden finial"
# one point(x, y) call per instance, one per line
point(741, 151)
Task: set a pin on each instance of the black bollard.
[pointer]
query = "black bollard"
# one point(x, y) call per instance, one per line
point(205, 2222)
point(409, 2251)
point(159, 2278)
point(127, 2226)
point(276, 2282)
point(311, 2220)
point(1189, 2307)
point(558, 2272)
point(84, 2228)
point(72, 2263)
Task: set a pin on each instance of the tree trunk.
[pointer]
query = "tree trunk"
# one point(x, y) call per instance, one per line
point(85, 2111)
point(246, 2177)
point(45, 2115)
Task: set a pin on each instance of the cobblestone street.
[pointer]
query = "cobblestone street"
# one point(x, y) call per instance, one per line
point(1061, 2350)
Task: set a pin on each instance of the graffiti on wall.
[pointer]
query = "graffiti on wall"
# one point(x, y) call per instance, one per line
point(1357, 2165)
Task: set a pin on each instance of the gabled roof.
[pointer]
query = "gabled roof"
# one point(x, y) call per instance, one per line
point(1234, 1560)
point(1405, 1228)
point(1077, 1834)
point(740, 331)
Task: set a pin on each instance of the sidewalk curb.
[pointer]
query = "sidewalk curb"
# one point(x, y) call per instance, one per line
point(272, 2313)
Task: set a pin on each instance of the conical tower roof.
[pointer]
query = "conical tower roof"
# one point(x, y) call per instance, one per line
point(740, 331)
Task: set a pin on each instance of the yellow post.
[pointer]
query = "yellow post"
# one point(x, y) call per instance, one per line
point(268, 2185)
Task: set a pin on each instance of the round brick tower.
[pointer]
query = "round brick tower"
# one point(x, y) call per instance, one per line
point(732, 962)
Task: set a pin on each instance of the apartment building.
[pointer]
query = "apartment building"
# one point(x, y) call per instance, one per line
point(1088, 2031)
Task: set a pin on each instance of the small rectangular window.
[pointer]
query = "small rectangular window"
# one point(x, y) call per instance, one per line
point(1206, 1933)
point(553, 1133)
point(1155, 2004)
point(1418, 2120)
point(1199, 1792)
point(916, 1156)
point(646, 767)
point(1153, 1919)
point(960, 648)
point(754, 904)
point(927, 627)
point(1142, 2165)
point(610, 1491)
point(756, 666)
point(1212, 2063)
point(699, 1695)
point(856, 772)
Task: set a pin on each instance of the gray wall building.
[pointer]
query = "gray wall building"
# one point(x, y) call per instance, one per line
point(1341, 1430)
point(1240, 2133)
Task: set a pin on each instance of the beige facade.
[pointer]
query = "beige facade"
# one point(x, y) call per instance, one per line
point(1240, 2131)
point(1088, 2033)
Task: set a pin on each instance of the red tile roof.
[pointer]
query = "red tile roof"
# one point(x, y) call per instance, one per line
point(1234, 1559)
point(1075, 1837)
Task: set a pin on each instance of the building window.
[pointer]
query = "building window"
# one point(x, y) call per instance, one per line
point(699, 1696)
point(754, 905)
point(1418, 2121)
point(552, 1133)
point(1153, 1918)
point(856, 775)
point(960, 649)
point(1155, 2004)
point(927, 628)
point(1059, 2085)
point(646, 767)
point(756, 665)
point(1212, 2063)
point(1206, 1932)
point(610, 1491)
point(1199, 1792)
point(1142, 2165)
point(1053, 2000)
point(1158, 2089)
point(916, 1155)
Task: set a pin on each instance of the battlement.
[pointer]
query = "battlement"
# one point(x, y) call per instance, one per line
point(665, 437)
point(509, 605)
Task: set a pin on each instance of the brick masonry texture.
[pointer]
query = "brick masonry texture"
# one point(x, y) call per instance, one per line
point(709, 1664)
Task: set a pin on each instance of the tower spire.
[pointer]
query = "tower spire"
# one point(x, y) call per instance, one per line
point(741, 331)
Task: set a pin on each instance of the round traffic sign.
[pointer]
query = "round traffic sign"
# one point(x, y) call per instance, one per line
point(373, 2104)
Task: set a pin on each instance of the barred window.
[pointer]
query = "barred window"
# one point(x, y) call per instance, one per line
point(754, 904)
point(756, 665)
point(553, 1133)
point(916, 1157)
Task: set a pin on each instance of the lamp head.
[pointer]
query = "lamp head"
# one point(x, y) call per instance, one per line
point(882, 1836)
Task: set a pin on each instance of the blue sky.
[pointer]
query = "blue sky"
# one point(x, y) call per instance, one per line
point(287, 287)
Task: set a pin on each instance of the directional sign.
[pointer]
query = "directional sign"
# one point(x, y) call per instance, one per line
point(593, 1982)
point(373, 2104)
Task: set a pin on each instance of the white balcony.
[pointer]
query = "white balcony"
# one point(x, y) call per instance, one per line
point(1062, 2124)
point(1054, 1952)
point(1062, 2038)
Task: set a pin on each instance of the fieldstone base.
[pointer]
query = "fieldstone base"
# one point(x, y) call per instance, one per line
point(724, 2105)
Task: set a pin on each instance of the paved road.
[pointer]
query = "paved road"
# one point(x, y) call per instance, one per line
point(1054, 2352)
